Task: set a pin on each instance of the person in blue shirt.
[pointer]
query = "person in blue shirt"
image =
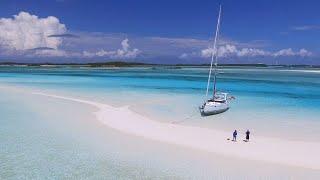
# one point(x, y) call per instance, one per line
point(235, 133)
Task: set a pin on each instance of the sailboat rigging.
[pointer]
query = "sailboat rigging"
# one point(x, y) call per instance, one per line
point(219, 102)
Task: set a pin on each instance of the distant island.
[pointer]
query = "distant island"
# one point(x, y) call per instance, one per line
point(140, 64)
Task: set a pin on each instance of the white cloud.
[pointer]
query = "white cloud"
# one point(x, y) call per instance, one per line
point(183, 56)
point(284, 52)
point(124, 53)
point(303, 52)
point(25, 31)
point(125, 45)
point(252, 52)
point(233, 51)
point(206, 52)
point(289, 52)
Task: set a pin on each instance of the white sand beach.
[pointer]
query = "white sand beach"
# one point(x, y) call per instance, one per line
point(270, 150)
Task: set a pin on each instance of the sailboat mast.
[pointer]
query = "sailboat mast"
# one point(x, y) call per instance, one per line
point(214, 56)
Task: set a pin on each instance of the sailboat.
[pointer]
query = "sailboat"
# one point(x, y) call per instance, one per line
point(219, 102)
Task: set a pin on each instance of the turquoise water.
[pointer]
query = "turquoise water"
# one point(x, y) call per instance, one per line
point(272, 102)
point(41, 137)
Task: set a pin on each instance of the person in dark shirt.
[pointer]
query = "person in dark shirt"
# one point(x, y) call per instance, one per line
point(247, 135)
point(235, 133)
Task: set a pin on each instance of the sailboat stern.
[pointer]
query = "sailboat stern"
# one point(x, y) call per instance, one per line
point(216, 105)
point(212, 108)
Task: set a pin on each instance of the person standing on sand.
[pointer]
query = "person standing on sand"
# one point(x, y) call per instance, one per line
point(235, 133)
point(247, 135)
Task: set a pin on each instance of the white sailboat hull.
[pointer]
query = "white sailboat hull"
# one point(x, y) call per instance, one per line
point(211, 108)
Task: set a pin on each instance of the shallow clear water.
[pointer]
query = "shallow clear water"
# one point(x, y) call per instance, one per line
point(41, 137)
point(271, 102)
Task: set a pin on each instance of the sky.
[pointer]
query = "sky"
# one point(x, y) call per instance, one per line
point(154, 31)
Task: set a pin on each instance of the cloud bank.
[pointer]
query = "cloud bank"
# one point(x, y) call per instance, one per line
point(233, 51)
point(40, 38)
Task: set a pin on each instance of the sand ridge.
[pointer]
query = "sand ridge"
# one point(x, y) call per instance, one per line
point(292, 153)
